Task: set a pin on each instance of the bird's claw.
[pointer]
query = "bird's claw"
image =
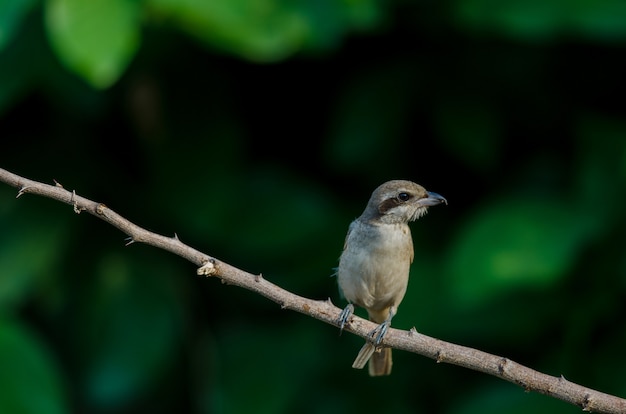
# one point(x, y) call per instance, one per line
point(344, 316)
point(379, 333)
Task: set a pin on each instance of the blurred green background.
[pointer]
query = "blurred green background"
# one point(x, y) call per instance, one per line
point(256, 130)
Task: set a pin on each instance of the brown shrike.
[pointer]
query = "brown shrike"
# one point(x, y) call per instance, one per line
point(373, 270)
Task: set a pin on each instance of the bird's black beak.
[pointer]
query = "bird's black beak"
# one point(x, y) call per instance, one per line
point(433, 199)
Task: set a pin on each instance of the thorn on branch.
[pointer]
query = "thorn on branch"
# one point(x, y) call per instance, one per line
point(176, 237)
point(258, 278)
point(77, 208)
point(129, 240)
point(21, 191)
point(564, 382)
point(57, 184)
point(412, 331)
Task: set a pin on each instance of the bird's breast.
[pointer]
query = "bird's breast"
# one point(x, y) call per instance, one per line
point(374, 266)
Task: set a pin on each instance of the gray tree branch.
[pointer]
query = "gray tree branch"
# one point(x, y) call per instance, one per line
point(323, 310)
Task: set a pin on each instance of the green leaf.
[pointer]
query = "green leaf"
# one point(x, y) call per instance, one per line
point(95, 38)
point(526, 19)
point(29, 380)
point(29, 248)
point(269, 30)
point(258, 30)
point(603, 20)
point(12, 13)
point(127, 329)
point(515, 244)
point(537, 19)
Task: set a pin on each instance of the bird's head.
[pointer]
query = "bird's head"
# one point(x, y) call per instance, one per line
point(400, 201)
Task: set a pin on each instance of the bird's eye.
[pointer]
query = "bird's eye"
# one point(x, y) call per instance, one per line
point(404, 196)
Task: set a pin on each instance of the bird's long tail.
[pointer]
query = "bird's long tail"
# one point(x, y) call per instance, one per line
point(379, 357)
point(379, 360)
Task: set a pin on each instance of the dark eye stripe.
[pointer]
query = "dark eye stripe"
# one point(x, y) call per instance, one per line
point(390, 203)
point(387, 205)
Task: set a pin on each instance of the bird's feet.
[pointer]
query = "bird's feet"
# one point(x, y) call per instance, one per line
point(344, 316)
point(377, 335)
point(374, 339)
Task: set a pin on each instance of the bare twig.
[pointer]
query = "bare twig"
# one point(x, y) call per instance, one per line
point(324, 310)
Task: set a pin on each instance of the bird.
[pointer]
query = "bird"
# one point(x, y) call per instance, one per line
point(373, 271)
